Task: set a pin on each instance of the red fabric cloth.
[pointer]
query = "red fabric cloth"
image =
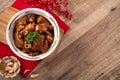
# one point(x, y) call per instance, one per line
point(6, 51)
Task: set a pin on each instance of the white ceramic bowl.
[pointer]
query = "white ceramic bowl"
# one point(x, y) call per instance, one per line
point(10, 28)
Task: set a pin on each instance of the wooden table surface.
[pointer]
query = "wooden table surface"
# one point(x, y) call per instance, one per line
point(90, 50)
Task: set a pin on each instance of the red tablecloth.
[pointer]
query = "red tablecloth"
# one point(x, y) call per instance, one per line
point(26, 64)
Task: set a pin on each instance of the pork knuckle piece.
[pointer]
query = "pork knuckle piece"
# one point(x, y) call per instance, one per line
point(40, 28)
point(30, 27)
point(18, 41)
point(44, 47)
point(21, 21)
point(38, 42)
point(49, 39)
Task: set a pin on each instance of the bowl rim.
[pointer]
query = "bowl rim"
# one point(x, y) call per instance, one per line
point(49, 18)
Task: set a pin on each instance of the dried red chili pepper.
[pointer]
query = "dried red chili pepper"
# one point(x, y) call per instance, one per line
point(53, 5)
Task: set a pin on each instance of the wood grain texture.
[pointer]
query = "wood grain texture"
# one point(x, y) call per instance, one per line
point(4, 19)
point(90, 50)
point(87, 14)
point(4, 4)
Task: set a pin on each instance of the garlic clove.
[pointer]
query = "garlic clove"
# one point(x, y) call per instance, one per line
point(11, 71)
point(34, 75)
point(7, 60)
point(10, 64)
point(14, 59)
point(15, 66)
point(7, 68)
point(27, 70)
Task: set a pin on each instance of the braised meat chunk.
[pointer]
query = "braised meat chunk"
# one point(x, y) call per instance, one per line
point(21, 21)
